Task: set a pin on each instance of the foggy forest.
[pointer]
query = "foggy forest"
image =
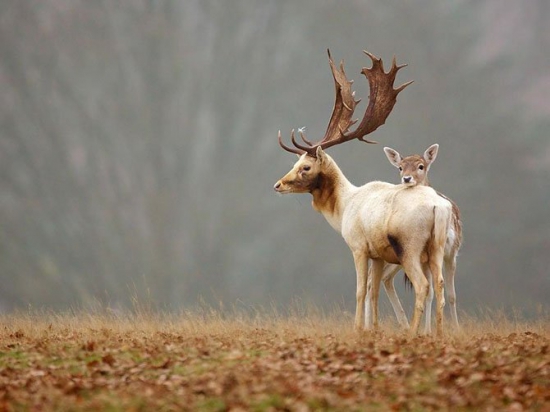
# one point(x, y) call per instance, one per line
point(138, 147)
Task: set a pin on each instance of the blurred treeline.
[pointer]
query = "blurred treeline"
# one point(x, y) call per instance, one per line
point(138, 145)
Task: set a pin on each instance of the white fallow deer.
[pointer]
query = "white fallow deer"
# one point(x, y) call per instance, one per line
point(413, 170)
point(379, 221)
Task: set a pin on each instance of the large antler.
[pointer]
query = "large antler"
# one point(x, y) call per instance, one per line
point(382, 98)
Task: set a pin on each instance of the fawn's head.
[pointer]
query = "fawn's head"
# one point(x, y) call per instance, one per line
point(414, 168)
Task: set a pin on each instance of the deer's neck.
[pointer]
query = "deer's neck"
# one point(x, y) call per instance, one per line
point(330, 194)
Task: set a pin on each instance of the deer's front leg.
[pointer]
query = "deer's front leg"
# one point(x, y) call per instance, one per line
point(368, 314)
point(377, 269)
point(361, 269)
point(368, 306)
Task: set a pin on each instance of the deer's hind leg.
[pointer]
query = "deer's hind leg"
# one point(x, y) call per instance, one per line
point(388, 275)
point(390, 270)
point(450, 269)
point(437, 284)
point(429, 301)
point(413, 269)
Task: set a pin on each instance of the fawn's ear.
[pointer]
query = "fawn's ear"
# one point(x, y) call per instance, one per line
point(430, 154)
point(393, 156)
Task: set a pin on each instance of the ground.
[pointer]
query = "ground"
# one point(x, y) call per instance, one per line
point(206, 361)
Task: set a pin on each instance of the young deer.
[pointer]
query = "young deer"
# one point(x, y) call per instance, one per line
point(379, 221)
point(414, 171)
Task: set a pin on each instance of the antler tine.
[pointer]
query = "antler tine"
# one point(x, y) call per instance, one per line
point(397, 68)
point(400, 88)
point(302, 135)
point(298, 145)
point(289, 149)
point(376, 61)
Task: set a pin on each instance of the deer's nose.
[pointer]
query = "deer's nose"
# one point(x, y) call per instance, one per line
point(277, 185)
point(407, 179)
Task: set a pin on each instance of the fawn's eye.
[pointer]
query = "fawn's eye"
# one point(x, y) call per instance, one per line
point(421, 167)
point(306, 168)
point(400, 169)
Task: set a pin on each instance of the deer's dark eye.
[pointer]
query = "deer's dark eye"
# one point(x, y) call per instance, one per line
point(306, 168)
point(400, 169)
point(421, 167)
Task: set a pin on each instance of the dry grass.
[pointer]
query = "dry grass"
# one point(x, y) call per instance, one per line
point(261, 360)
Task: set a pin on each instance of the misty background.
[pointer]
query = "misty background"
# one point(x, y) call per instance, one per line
point(138, 146)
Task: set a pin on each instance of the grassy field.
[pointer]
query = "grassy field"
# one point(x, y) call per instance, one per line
point(207, 361)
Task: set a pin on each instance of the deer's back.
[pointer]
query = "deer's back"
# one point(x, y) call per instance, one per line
point(380, 211)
